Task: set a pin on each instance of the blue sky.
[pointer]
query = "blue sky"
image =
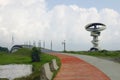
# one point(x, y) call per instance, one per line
point(99, 4)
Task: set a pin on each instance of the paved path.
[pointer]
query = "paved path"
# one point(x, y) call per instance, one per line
point(110, 68)
point(73, 68)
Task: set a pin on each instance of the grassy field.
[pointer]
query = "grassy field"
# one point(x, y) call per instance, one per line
point(111, 55)
point(23, 56)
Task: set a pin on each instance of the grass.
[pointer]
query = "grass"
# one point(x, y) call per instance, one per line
point(23, 56)
point(111, 55)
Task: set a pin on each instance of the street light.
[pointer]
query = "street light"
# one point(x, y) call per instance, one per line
point(64, 45)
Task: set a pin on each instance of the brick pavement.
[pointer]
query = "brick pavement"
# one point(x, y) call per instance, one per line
point(73, 68)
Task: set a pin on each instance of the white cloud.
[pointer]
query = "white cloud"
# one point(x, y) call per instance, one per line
point(4, 2)
point(30, 20)
point(23, 20)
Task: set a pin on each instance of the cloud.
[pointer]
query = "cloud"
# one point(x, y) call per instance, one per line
point(25, 19)
point(29, 20)
point(69, 22)
point(4, 2)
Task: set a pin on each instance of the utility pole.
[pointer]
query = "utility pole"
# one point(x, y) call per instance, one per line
point(39, 43)
point(51, 44)
point(34, 44)
point(44, 44)
point(64, 45)
point(13, 40)
point(29, 44)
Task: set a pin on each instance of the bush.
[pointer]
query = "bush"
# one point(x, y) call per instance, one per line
point(35, 55)
point(4, 49)
point(103, 51)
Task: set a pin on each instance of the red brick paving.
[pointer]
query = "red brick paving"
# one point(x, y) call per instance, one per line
point(73, 68)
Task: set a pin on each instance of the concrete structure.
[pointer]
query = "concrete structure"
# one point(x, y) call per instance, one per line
point(12, 71)
point(53, 65)
point(95, 29)
point(46, 73)
point(16, 47)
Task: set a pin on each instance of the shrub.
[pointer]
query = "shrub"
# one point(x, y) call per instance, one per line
point(35, 55)
point(4, 49)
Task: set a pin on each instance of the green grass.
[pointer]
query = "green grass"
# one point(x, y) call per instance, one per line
point(19, 57)
point(3, 79)
point(23, 56)
point(102, 54)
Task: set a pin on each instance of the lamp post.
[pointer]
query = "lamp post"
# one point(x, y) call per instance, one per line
point(64, 45)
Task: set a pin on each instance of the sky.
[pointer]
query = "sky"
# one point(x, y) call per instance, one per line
point(29, 21)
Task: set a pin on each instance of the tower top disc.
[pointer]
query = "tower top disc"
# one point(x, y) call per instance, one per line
point(95, 27)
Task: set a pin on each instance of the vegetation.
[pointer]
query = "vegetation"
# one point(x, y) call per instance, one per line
point(3, 49)
point(35, 55)
point(23, 56)
point(111, 55)
point(3, 79)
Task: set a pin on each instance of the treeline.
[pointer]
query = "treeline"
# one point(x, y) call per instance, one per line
point(3, 49)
